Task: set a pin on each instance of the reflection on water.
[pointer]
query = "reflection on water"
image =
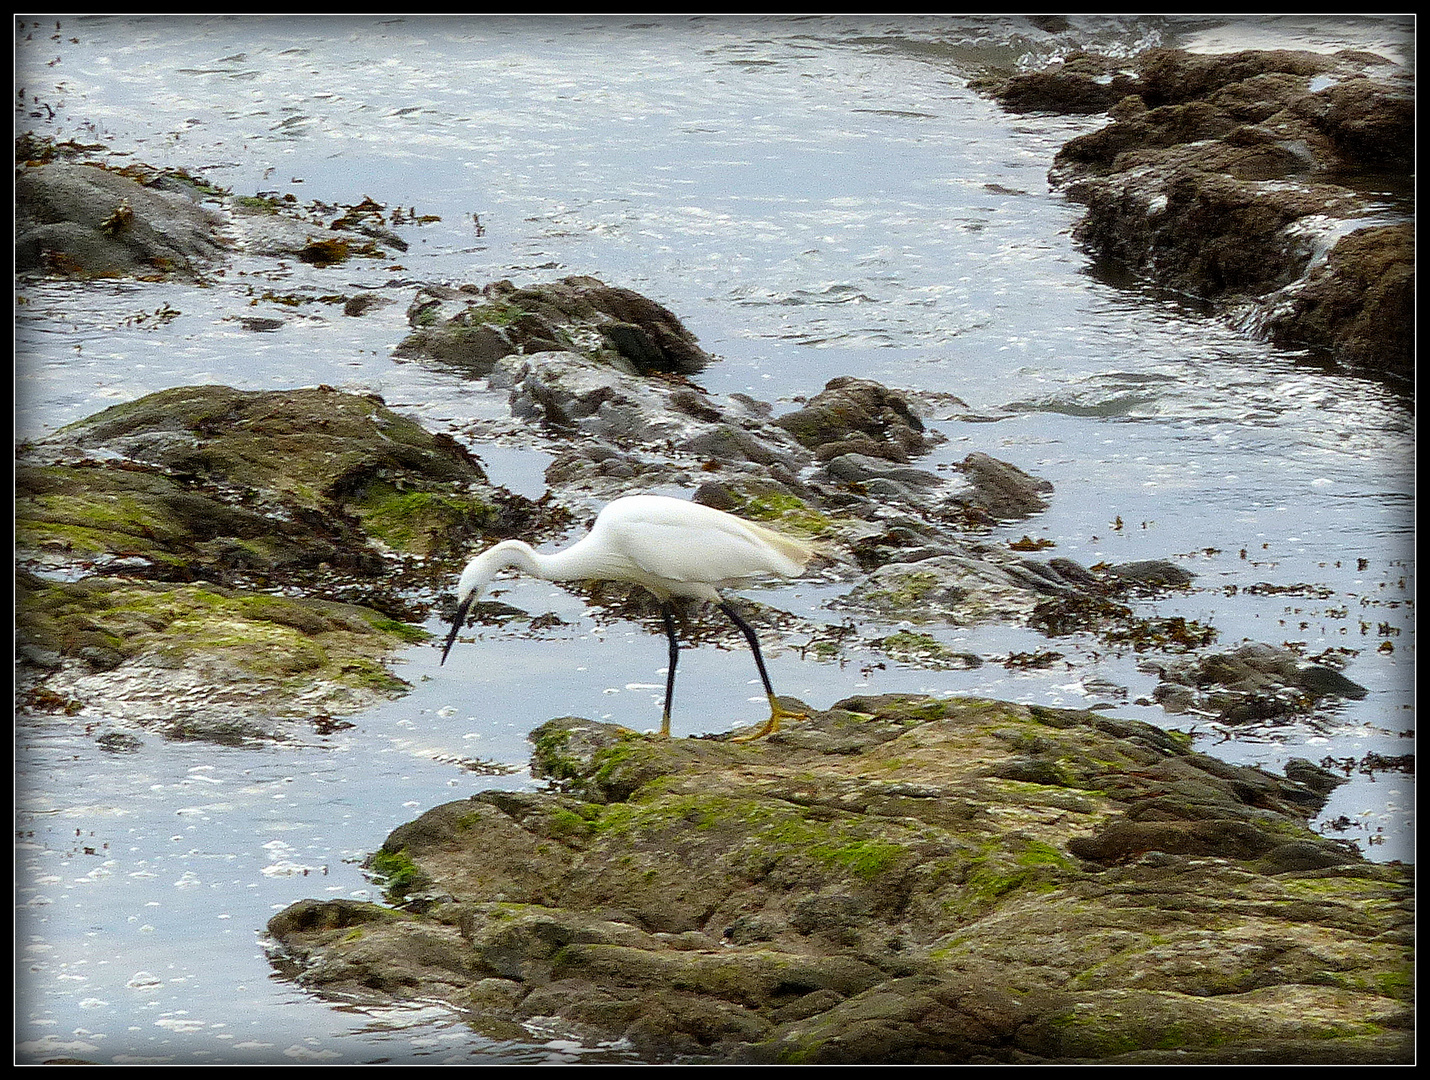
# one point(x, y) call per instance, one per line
point(814, 198)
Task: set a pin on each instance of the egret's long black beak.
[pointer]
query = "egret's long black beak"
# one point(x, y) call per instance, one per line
point(457, 624)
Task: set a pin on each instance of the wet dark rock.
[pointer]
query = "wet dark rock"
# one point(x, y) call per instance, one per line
point(727, 443)
point(259, 324)
point(922, 580)
point(695, 404)
point(81, 218)
point(473, 328)
point(1003, 490)
point(1083, 83)
point(1313, 776)
point(1359, 302)
point(862, 468)
point(715, 495)
point(448, 326)
point(1158, 573)
point(858, 416)
point(88, 221)
point(362, 303)
point(898, 879)
point(1253, 683)
point(119, 742)
point(1234, 178)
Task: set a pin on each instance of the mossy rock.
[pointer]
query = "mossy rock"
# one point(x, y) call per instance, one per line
point(880, 884)
point(271, 486)
point(199, 661)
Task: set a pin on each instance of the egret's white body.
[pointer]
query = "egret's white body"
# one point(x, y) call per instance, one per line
point(676, 549)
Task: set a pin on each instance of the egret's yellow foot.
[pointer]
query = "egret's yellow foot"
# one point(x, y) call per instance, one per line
point(665, 726)
point(777, 713)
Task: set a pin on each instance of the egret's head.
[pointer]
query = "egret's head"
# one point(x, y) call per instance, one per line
point(469, 590)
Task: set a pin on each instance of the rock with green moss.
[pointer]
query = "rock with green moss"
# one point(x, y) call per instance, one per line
point(227, 485)
point(200, 661)
point(472, 328)
point(896, 880)
point(924, 650)
point(154, 538)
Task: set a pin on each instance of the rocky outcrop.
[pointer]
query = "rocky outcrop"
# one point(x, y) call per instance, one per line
point(838, 469)
point(898, 880)
point(1241, 179)
point(261, 487)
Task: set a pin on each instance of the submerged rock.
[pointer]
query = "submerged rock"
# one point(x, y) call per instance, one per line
point(897, 880)
point(199, 661)
point(1256, 682)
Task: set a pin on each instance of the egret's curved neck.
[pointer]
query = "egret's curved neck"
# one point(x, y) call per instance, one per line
point(581, 560)
point(510, 553)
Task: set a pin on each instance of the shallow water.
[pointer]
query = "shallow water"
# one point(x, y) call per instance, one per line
point(814, 198)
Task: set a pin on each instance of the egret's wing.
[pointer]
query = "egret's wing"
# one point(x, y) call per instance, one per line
point(687, 542)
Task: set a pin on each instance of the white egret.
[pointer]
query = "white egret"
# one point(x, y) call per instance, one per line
point(676, 549)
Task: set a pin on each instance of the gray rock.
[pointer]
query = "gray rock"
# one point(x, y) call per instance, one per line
point(91, 221)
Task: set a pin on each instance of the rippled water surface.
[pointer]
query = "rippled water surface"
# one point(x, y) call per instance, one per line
point(813, 197)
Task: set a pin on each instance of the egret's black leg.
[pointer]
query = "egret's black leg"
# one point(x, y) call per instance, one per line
point(777, 713)
point(667, 614)
point(749, 632)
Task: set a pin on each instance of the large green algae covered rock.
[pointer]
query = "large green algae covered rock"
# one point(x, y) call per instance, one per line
point(896, 880)
point(207, 478)
point(153, 537)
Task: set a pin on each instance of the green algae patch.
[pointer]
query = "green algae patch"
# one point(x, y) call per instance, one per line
point(399, 873)
point(914, 648)
point(264, 635)
point(496, 313)
point(424, 522)
point(906, 589)
point(834, 845)
point(787, 512)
